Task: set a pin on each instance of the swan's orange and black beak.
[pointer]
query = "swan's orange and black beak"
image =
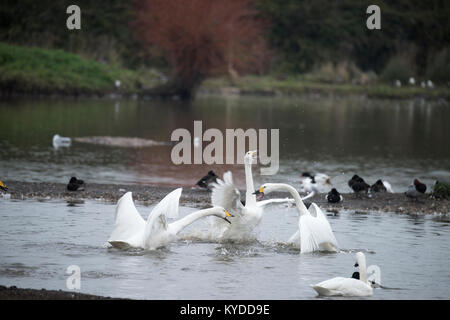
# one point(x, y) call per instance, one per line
point(2, 186)
point(228, 215)
point(260, 191)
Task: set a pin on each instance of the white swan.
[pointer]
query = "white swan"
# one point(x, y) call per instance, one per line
point(348, 287)
point(246, 217)
point(130, 229)
point(314, 232)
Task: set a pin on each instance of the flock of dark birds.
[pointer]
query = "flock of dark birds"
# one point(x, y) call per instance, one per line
point(356, 183)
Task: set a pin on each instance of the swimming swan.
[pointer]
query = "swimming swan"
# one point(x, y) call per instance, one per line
point(348, 287)
point(246, 217)
point(130, 229)
point(314, 232)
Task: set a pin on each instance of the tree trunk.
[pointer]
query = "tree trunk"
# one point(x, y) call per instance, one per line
point(182, 87)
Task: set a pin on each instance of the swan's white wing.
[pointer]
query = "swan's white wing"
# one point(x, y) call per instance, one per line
point(264, 203)
point(129, 222)
point(166, 208)
point(226, 195)
point(340, 286)
point(315, 232)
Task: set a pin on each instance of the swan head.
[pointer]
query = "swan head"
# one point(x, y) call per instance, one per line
point(221, 213)
point(250, 157)
point(3, 187)
point(265, 189)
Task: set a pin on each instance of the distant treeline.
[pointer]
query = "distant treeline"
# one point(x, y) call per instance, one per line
point(303, 34)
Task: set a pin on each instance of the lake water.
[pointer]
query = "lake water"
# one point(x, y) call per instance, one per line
point(39, 240)
point(393, 140)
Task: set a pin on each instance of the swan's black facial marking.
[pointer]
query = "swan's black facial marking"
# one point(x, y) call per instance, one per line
point(259, 193)
point(228, 215)
point(3, 187)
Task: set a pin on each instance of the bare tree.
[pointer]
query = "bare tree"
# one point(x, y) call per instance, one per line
point(202, 38)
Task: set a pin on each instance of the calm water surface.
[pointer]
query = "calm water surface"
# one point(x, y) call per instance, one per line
point(39, 240)
point(394, 140)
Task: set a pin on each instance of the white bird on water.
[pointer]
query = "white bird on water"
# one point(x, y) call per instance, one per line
point(347, 287)
point(246, 217)
point(314, 232)
point(59, 141)
point(131, 230)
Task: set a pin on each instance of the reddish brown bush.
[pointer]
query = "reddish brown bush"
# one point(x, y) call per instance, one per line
point(203, 38)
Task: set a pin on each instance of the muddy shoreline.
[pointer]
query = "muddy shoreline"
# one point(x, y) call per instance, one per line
point(199, 198)
point(14, 293)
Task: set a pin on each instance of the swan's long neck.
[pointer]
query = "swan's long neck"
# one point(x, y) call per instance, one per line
point(182, 223)
point(362, 270)
point(250, 198)
point(298, 200)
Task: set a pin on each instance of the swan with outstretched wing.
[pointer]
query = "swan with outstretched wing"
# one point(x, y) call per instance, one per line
point(131, 230)
point(246, 217)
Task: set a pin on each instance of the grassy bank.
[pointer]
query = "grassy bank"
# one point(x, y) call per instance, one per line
point(298, 86)
point(38, 71)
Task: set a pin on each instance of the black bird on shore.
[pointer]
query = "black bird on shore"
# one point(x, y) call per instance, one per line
point(358, 184)
point(334, 196)
point(75, 184)
point(3, 187)
point(416, 190)
point(207, 180)
point(378, 186)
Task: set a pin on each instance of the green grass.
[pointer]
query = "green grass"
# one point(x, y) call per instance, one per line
point(441, 190)
point(40, 71)
point(35, 70)
point(301, 85)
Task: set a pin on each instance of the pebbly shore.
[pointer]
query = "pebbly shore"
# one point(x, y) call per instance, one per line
point(200, 198)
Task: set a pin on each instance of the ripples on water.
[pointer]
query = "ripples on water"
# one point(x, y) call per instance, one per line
point(41, 239)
